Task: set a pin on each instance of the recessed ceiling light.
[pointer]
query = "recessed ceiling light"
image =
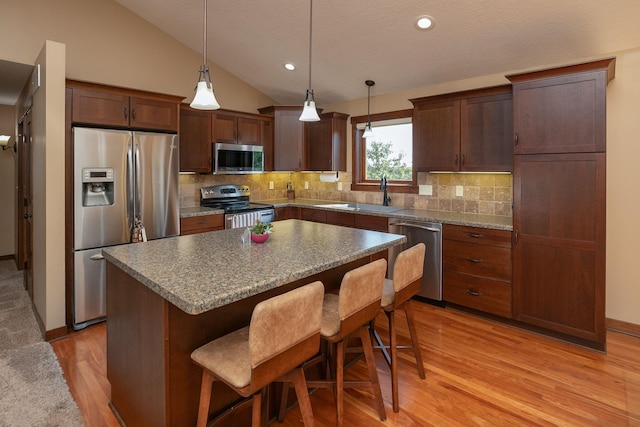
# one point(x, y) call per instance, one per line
point(424, 22)
point(289, 66)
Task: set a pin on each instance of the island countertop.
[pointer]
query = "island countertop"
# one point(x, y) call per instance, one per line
point(200, 272)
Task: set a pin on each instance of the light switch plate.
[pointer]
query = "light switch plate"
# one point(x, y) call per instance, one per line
point(339, 186)
point(459, 191)
point(306, 185)
point(270, 185)
point(425, 190)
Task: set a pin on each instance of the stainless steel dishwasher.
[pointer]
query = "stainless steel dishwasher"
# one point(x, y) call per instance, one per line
point(430, 233)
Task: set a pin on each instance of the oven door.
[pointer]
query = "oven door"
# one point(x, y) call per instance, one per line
point(247, 219)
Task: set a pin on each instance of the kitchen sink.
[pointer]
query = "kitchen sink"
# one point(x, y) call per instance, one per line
point(360, 207)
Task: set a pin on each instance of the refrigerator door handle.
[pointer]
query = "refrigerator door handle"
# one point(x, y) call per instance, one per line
point(130, 177)
point(97, 257)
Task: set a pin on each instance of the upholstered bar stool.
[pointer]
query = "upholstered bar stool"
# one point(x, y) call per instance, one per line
point(284, 332)
point(349, 313)
point(396, 294)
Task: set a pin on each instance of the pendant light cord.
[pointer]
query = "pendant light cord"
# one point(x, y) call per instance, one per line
point(204, 50)
point(310, 35)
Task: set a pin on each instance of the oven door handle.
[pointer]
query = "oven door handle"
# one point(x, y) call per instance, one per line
point(407, 224)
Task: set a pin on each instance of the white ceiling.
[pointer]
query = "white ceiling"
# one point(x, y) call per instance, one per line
point(356, 40)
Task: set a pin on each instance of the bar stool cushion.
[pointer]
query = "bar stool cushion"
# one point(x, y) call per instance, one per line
point(230, 355)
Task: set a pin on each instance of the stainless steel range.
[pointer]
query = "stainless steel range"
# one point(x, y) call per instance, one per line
point(234, 200)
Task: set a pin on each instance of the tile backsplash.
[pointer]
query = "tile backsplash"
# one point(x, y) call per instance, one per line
point(482, 193)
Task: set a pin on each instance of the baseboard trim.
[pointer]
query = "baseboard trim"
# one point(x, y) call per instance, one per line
point(623, 327)
point(55, 334)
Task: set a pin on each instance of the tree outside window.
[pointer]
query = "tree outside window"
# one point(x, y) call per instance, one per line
point(388, 152)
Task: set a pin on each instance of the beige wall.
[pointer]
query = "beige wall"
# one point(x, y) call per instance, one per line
point(7, 183)
point(107, 43)
point(48, 145)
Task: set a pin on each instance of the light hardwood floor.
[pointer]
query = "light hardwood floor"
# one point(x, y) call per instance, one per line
point(478, 373)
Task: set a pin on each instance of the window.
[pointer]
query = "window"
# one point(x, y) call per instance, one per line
point(389, 152)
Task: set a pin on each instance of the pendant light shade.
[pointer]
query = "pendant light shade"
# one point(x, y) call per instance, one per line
point(309, 113)
point(368, 132)
point(204, 98)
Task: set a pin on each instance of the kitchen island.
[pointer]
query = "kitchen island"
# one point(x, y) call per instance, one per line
point(167, 297)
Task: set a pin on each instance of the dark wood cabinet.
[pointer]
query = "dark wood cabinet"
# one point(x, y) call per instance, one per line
point(560, 200)
point(561, 113)
point(288, 137)
point(467, 131)
point(476, 265)
point(236, 129)
point(309, 146)
point(94, 104)
point(195, 140)
point(201, 224)
point(325, 143)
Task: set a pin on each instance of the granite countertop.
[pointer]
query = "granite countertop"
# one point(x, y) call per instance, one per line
point(199, 211)
point(454, 218)
point(200, 272)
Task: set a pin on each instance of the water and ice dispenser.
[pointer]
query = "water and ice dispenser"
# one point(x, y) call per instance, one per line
point(97, 187)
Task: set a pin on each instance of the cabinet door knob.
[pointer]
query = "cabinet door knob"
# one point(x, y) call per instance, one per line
point(126, 113)
point(463, 160)
point(516, 139)
point(455, 160)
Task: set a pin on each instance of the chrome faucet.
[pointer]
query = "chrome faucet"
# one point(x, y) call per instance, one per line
point(383, 186)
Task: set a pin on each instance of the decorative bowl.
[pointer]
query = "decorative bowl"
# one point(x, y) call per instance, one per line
point(259, 238)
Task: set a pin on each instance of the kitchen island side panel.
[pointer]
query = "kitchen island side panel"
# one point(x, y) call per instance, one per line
point(136, 350)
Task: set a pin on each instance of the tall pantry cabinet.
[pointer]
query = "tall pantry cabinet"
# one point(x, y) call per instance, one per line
point(559, 200)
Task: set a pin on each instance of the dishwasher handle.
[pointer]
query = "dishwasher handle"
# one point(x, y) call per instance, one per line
point(424, 227)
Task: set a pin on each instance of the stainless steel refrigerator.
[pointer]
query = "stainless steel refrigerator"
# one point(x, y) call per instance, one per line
point(119, 176)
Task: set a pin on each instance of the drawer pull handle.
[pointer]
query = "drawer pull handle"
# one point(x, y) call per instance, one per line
point(474, 293)
point(476, 260)
point(202, 222)
point(475, 235)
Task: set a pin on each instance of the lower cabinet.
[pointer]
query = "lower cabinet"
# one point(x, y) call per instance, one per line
point(201, 224)
point(476, 265)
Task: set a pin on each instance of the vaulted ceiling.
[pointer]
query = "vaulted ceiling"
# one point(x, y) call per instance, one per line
point(356, 40)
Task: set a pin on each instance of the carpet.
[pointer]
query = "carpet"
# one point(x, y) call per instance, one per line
point(33, 391)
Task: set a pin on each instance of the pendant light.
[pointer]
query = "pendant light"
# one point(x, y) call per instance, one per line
point(309, 113)
point(204, 98)
point(368, 132)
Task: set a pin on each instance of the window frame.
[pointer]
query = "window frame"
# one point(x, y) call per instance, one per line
point(359, 158)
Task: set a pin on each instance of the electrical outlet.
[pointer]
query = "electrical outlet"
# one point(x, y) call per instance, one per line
point(306, 185)
point(270, 185)
point(339, 186)
point(459, 191)
point(425, 190)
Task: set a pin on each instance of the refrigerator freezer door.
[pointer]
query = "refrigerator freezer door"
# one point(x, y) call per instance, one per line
point(100, 224)
point(89, 299)
point(157, 169)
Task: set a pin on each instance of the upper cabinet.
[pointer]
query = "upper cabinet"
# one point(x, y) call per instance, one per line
point(195, 140)
point(235, 128)
point(467, 131)
point(562, 113)
point(199, 129)
point(325, 143)
point(307, 146)
point(94, 104)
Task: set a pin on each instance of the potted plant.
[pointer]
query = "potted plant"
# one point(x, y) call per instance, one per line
point(260, 231)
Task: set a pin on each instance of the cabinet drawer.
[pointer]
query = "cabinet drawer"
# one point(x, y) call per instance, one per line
point(201, 224)
point(316, 215)
point(491, 262)
point(340, 218)
point(477, 293)
point(485, 236)
point(372, 222)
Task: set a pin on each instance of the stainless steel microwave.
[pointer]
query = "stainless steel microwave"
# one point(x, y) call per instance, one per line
point(237, 158)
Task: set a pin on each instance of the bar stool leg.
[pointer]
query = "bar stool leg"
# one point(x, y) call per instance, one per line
point(256, 411)
point(205, 398)
point(393, 348)
point(408, 311)
point(339, 387)
point(367, 348)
